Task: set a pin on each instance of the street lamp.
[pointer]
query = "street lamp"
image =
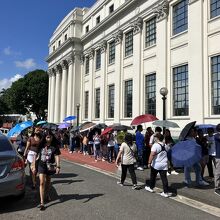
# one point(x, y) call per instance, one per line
point(164, 92)
point(77, 114)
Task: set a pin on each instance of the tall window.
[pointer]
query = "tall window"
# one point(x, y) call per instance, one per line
point(65, 37)
point(98, 20)
point(87, 28)
point(129, 43)
point(150, 32)
point(97, 103)
point(112, 52)
point(180, 17)
point(111, 8)
point(86, 104)
point(87, 65)
point(98, 59)
point(54, 48)
point(180, 91)
point(59, 43)
point(111, 101)
point(215, 77)
point(150, 94)
point(128, 99)
point(214, 8)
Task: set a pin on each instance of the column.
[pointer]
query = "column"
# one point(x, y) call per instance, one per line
point(196, 61)
point(91, 86)
point(63, 91)
point(49, 93)
point(69, 85)
point(103, 87)
point(52, 100)
point(73, 107)
point(118, 56)
point(137, 42)
point(161, 12)
point(57, 95)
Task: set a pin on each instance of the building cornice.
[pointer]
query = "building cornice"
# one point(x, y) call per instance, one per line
point(161, 10)
point(69, 42)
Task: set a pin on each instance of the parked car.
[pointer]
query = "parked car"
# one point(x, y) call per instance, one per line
point(12, 170)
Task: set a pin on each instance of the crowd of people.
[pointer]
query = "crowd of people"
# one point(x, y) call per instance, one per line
point(130, 151)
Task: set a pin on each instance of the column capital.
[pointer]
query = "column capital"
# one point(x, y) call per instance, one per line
point(161, 10)
point(70, 60)
point(58, 69)
point(50, 72)
point(137, 25)
point(82, 58)
point(118, 37)
point(64, 64)
point(91, 53)
point(103, 46)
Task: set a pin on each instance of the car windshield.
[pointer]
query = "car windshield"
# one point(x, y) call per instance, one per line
point(5, 145)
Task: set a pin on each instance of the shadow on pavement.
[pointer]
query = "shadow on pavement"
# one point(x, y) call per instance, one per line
point(63, 198)
point(66, 182)
point(64, 175)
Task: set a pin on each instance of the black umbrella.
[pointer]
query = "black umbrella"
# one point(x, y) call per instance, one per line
point(119, 127)
point(185, 132)
point(51, 126)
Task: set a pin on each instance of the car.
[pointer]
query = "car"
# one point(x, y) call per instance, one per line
point(12, 170)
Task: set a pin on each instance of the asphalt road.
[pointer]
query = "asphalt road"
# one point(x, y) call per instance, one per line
point(80, 193)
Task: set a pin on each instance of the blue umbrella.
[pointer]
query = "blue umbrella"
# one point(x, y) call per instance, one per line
point(17, 129)
point(64, 125)
point(186, 153)
point(69, 118)
point(41, 122)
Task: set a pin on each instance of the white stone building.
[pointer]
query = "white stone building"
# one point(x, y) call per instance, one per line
point(114, 58)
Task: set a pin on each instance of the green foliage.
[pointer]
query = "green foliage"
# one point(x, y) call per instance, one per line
point(29, 93)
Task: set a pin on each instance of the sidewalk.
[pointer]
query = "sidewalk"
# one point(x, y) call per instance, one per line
point(204, 194)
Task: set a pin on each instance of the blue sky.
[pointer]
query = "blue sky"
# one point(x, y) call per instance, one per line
point(25, 29)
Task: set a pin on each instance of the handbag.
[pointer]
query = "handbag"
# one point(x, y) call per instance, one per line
point(135, 156)
point(51, 168)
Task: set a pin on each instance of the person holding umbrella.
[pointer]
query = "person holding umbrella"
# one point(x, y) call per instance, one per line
point(217, 160)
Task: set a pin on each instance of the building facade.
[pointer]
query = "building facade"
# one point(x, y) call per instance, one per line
point(114, 58)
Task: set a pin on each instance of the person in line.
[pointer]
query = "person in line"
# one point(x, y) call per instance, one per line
point(158, 162)
point(97, 146)
point(139, 137)
point(217, 160)
point(85, 141)
point(148, 134)
point(72, 142)
point(110, 146)
point(158, 130)
point(49, 164)
point(203, 142)
point(212, 152)
point(30, 153)
point(126, 156)
point(197, 167)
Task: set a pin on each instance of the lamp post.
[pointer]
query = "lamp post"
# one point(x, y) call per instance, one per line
point(77, 114)
point(164, 92)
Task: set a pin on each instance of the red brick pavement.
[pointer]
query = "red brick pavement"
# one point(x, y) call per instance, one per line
point(88, 160)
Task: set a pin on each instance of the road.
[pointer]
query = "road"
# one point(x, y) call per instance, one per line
point(79, 193)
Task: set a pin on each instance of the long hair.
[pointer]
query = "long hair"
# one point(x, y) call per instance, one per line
point(129, 139)
point(54, 142)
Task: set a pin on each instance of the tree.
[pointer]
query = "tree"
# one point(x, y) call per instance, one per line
point(28, 94)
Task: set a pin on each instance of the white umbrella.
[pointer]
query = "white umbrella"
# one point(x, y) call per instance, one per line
point(165, 123)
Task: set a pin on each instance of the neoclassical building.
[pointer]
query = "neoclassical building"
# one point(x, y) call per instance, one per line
point(114, 58)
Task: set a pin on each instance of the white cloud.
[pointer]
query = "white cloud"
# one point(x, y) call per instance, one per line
point(9, 52)
point(6, 83)
point(27, 64)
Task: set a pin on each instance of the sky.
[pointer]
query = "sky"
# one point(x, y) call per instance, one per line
point(26, 27)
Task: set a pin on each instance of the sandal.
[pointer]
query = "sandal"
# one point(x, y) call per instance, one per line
point(42, 207)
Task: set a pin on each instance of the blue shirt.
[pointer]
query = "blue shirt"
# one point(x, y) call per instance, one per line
point(217, 145)
point(139, 140)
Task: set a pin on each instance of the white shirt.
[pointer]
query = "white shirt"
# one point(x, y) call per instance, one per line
point(160, 161)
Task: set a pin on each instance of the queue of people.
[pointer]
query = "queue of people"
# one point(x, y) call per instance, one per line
point(130, 151)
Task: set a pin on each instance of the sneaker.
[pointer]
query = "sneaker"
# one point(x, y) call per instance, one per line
point(174, 172)
point(70, 152)
point(96, 160)
point(217, 192)
point(135, 186)
point(166, 195)
point(140, 168)
point(103, 159)
point(120, 183)
point(186, 183)
point(145, 166)
point(203, 183)
point(149, 189)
